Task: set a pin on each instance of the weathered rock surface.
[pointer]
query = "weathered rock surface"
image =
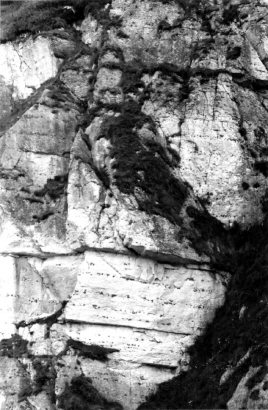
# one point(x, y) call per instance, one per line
point(133, 174)
point(145, 312)
point(26, 65)
point(248, 395)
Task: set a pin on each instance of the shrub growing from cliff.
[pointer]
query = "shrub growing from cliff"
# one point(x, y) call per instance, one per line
point(143, 169)
point(37, 16)
point(140, 167)
point(54, 187)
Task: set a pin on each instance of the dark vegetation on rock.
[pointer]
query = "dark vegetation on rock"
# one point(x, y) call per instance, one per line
point(45, 377)
point(14, 347)
point(99, 9)
point(233, 52)
point(32, 17)
point(42, 16)
point(143, 169)
point(202, 9)
point(231, 12)
point(81, 395)
point(54, 187)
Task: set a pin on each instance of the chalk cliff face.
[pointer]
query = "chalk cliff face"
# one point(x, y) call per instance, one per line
point(133, 202)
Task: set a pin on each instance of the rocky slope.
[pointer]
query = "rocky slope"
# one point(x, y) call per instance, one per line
point(133, 203)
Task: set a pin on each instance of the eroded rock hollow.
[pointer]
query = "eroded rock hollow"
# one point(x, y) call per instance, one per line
point(133, 204)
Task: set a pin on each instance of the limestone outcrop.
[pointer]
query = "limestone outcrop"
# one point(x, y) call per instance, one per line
point(133, 204)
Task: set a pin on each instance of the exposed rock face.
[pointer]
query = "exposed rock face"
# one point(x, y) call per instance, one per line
point(133, 174)
point(145, 312)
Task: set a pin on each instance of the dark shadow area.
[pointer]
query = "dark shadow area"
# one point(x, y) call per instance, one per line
point(54, 187)
point(239, 327)
point(81, 395)
point(44, 378)
point(93, 352)
point(143, 169)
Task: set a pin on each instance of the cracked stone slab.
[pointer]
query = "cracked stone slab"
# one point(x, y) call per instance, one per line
point(146, 347)
point(150, 313)
point(127, 384)
point(33, 290)
point(26, 65)
point(138, 292)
